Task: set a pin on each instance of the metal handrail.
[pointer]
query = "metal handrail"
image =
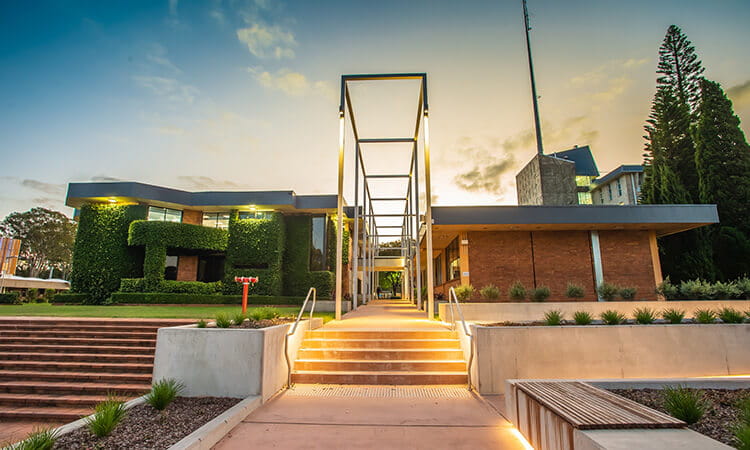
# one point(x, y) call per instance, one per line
point(293, 330)
point(452, 298)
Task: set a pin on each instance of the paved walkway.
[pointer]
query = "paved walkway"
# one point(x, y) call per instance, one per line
point(375, 417)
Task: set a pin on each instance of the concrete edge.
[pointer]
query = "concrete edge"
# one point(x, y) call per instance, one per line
point(729, 382)
point(212, 432)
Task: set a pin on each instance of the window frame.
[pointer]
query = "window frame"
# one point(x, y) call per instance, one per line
point(324, 251)
point(452, 250)
point(164, 214)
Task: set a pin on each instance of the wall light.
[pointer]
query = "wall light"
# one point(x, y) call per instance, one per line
point(112, 200)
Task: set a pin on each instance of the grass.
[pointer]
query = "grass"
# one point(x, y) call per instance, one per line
point(684, 404)
point(263, 314)
point(731, 315)
point(108, 414)
point(222, 320)
point(705, 316)
point(552, 318)
point(644, 316)
point(39, 439)
point(612, 317)
point(163, 392)
point(582, 317)
point(673, 315)
point(142, 311)
point(238, 318)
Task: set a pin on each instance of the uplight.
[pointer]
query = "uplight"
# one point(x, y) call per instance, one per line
point(112, 200)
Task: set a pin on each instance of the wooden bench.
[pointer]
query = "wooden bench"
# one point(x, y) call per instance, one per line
point(548, 412)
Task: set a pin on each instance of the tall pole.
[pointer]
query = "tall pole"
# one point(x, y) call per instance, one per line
point(527, 28)
point(428, 220)
point(355, 241)
point(340, 218)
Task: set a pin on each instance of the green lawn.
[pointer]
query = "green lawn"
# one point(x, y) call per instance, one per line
point(144, 311)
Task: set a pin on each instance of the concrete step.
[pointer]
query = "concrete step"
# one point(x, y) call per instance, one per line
point(57, 366)
point(89, 334)
point(41, 341)
point(110, 349)
point(73, 388)
point(94, 377)
point(391, 344)
point(39, 400)
point(380, 354)
point(24, 322)
point(378, 377)
point(143, 358)
point(381, 334)
point(386, 365)
point(51, 414)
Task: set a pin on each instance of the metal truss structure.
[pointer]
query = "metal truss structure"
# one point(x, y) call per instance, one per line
point(369, 236)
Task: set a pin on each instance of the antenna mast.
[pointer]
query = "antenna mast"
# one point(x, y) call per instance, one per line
point(527, 28)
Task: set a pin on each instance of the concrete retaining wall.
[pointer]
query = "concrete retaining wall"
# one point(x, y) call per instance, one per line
point(602, 351)
point(227, 362)
point(519, 312)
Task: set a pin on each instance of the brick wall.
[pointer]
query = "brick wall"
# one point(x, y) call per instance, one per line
point(192, 217)
point(626, 261)
point(500, 258)
point(187, 268)
point(561, 257)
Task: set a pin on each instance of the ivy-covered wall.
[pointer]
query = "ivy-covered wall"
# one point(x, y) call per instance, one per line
point(101, 255)
point(297, 276)
point(255, 248)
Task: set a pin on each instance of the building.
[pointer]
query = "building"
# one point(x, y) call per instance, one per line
point(555, 245)
point(144, 238)
point(560, 179)
point(621, 186)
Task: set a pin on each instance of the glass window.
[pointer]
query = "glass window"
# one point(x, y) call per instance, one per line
point(216, 220)
point(601, 196)
point(164, 214)
point(584, 198)
point(609, 191)
point(452, 261)
point(583, 181)
point(318, 243)
point(260, 215)
point(438, 268)
point(619, 188)
point(170, 267)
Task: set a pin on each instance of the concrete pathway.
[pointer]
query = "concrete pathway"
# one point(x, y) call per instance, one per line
point(376, 417)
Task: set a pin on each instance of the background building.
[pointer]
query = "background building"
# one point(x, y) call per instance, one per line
point(560, 179)
point(621, 186)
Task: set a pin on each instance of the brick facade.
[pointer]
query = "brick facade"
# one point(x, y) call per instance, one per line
point(187, 268)
point(192, 217)
point(626, 261)
point(500, 258)
point(561, 257)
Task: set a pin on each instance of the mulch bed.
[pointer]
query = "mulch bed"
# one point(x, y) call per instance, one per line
point(146, 428)
point(718, 419)
point(264, 323)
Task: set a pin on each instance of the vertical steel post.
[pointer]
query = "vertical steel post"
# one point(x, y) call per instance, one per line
point(340, 218)
point(415, 199)
point(355, 239)
point(527, 28)
point(428, 219)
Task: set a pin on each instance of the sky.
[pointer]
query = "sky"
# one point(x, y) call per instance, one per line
point(242, 95)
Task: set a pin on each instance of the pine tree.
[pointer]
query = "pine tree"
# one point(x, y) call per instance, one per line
point(680, 67)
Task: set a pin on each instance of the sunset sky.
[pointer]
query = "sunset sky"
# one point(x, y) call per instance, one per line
point(225, 94)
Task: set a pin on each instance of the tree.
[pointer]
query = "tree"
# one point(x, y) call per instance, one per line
point(679, 67)
point(46, 238)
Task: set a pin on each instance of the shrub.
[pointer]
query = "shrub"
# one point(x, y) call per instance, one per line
point(490, 292)
point(540, 294)
point(696, 290)
point(222, 321)
point(744, 406)
point(201, 324)
point(705, 316)
point(731, 315)
point(263, 314)
point(163, 392)
point(743, 284)
point(684, 404)
point(607, 291)
point(238, 318)
point(32, 294)
point(582, 317)
point(10, 298)
point(644, 316)
point(628, 293)
point(673, 315)
point(612, 317)
point(463, 292)
point(554, 317)
point(668, 290)
point(742, 436)
point(49, 295)
point(106, 417)
point(727, 291)
point(517, 291)
point(574, 291)
point(70, 298)
point(38, 439)
point(132, 285)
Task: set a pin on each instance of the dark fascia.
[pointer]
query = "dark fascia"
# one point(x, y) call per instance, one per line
point(582, 214)
point(628, 168)
point(81, 192)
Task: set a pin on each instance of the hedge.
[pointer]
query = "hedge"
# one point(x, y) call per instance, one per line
point(70, 297)
point(155, 298)
point(255, 248)
point(171, 286)
point(101, 256)
point(10, 298)
point(297, 276)
point(332, 231)
point(177, 235)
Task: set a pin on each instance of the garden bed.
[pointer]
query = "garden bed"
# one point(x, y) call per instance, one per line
point(717, 421)
point(264, 323)
point(146, 428)
point(541, 323)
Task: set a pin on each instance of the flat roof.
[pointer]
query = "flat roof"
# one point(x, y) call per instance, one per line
point(618, 172)
point(663, 219)
point(129, 191)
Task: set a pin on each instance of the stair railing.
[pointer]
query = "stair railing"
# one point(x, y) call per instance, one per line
point(293, 329)
point(452, 298)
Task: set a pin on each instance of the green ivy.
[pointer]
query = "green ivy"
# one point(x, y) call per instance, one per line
point(101, 256)
point(297, 276)
point(177, 235)
point(332, 231)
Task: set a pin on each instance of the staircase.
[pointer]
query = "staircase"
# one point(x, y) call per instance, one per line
point(58, 369)
point(391, 357)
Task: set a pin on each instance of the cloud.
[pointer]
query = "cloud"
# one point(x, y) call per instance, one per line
point(41, 186)
point(615, 88)
point(608, 81)
point(740, 94)
point(169, 88)
point(204, 182)
point(157, 54)
point(491, 159)
point(104, 178)
point(607, 70)
point(170, 130)
point(268, 41)
point(291, 83)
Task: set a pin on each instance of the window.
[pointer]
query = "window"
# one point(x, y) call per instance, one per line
point(210, 268)
point(583, 181)
point(170, 267)
point(164, 214)
point(260, 215)
point(438, 269)
point(584, 198)
point(619, 188)
point(601, 196)
point(452, 261)
point(318, 243)
point(216, 220)
point(609, 191)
